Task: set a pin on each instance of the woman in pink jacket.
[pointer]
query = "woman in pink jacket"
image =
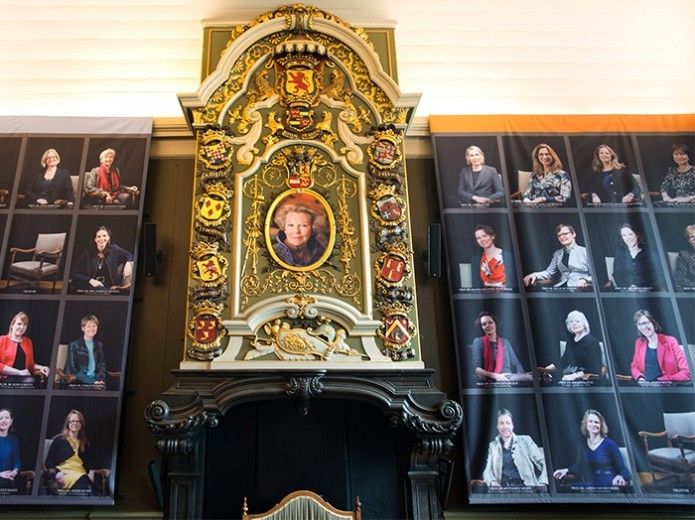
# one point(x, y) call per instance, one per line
point(658, 357)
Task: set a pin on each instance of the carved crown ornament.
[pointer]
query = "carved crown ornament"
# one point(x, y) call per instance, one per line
point(300, 250)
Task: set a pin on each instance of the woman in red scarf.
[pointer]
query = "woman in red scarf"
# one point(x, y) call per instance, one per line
point(493, 357)
point(104, 182)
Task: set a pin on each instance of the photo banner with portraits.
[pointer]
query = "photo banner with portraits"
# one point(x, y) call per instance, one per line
point(570, 245)
point(71, 199)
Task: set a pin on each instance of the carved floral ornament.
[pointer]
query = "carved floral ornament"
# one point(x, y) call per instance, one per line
point(300, 199)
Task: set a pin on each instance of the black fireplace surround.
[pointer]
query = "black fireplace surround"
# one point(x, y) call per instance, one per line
point(385, 436)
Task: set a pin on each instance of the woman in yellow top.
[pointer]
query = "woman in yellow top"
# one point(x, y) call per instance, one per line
point(68, 458)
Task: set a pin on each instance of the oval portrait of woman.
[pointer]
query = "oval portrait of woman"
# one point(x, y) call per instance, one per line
point(300, 230)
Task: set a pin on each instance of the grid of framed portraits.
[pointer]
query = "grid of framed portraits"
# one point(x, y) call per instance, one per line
point(71, 196)
point(571, 264)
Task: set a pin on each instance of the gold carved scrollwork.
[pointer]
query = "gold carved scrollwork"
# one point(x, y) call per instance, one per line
point(298, 17)
point(319, 281)
point(316, 339)
point(253, 225)
point(347, 189)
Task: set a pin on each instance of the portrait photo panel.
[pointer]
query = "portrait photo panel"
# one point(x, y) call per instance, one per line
point(104, 244)
point(98, 422)
point(483, 442)
point(130, 156)
point(657, 153)
point(469, 238)
point(473, 355)
point(677, 231)
point(626, 254)
point(519, 158)
point(568, 341)
point(127, 170)
point(457, 180)
point(686, 306)
point(40, 318)
point(542, 238)
point(589, 451)
point(628, 343)
point(102, 322)
point(25, 414)
point(62, 158)
point(590, 168)
point(651, 422)
point(36, 253)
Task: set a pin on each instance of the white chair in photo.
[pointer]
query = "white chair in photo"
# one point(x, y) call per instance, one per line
point(465, 276)
point(523, 178)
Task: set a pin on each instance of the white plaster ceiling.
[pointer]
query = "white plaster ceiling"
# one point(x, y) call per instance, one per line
point(132, 57)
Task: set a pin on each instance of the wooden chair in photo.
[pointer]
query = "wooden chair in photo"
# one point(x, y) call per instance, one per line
point(465, 275)
point(304, 504)
point(673, 459)
point(43, 263)
point(25, 481)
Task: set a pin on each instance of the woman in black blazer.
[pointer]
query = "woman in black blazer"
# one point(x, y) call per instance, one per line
point(52, 185)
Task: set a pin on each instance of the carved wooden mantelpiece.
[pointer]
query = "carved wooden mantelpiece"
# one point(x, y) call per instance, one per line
point(200, 399)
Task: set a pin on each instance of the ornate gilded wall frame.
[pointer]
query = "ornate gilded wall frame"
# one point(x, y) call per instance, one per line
point(301, 239)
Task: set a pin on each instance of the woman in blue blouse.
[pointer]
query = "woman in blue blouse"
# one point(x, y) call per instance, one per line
point(10, 464)
point(599, 462)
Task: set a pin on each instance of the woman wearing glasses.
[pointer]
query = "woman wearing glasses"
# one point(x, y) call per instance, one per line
point(658, 357)
point(68, 458)
point(52, 185)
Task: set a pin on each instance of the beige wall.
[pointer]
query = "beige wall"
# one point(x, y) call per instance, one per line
point(109, 57)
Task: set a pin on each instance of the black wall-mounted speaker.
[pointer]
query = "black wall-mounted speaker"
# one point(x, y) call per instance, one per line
point(149, 248)
point(434, 251)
